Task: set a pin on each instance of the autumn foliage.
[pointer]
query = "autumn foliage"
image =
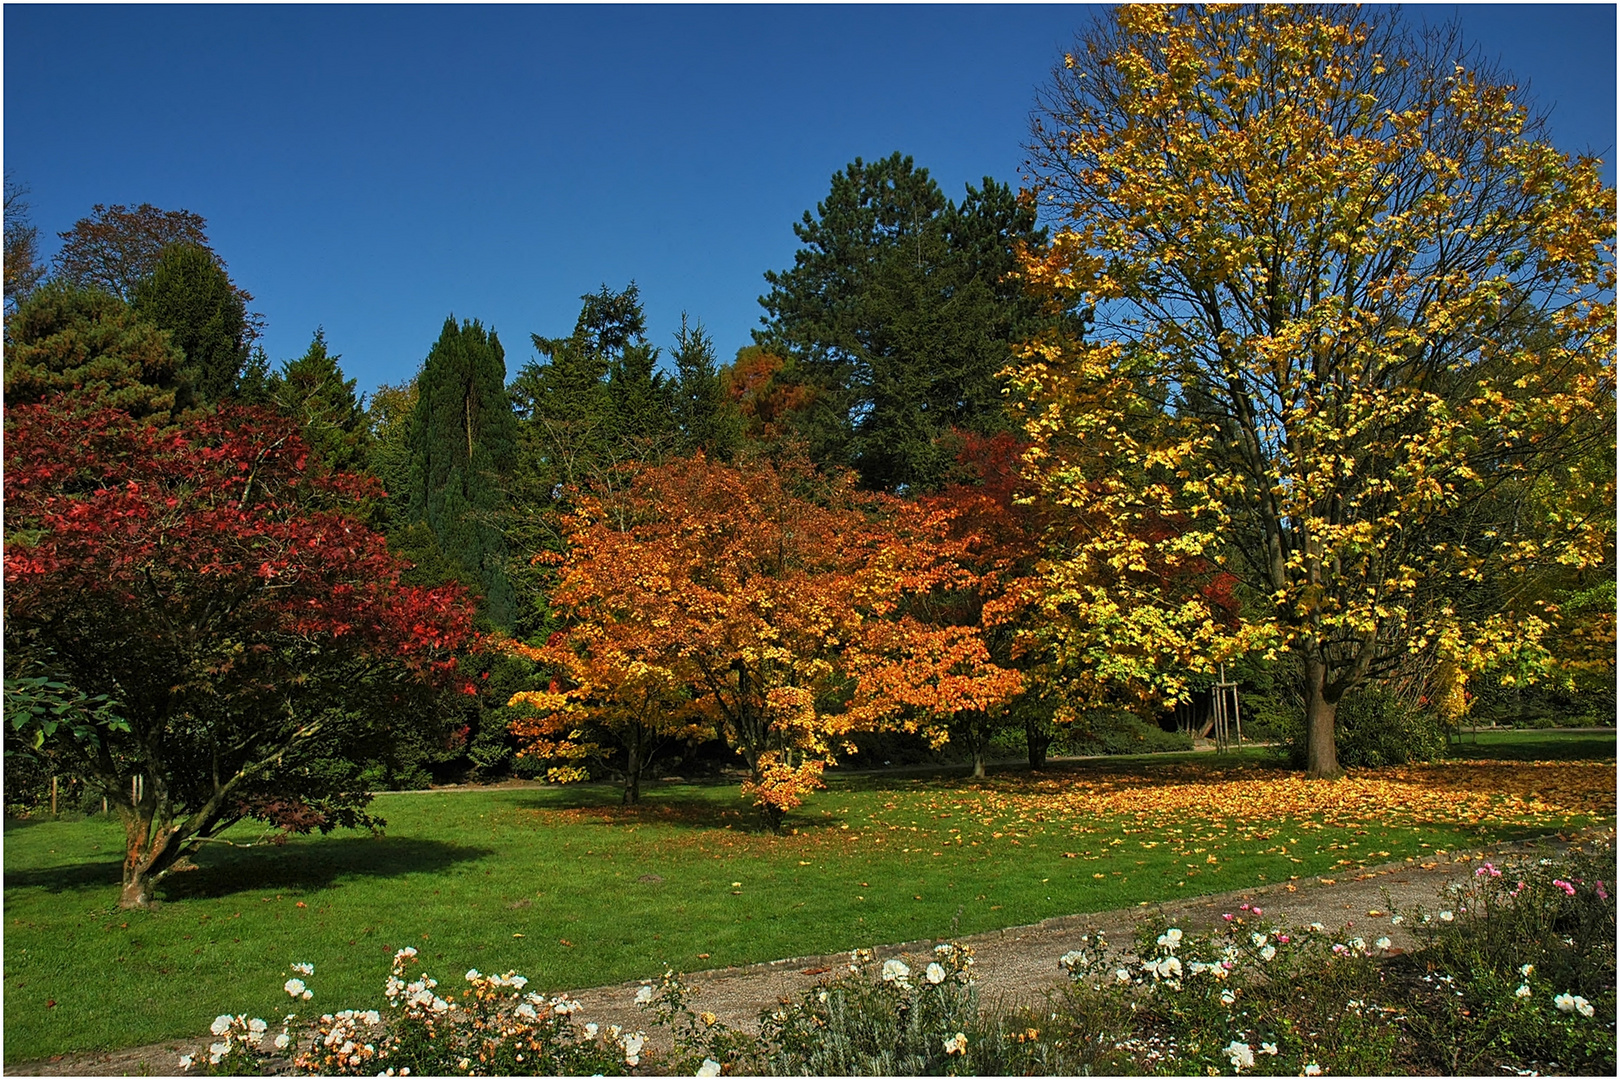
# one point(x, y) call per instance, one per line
point(245, 626)
point(1353, 314)
point(770, 601)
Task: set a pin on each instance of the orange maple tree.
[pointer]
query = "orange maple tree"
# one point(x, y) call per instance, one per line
point(767, 599)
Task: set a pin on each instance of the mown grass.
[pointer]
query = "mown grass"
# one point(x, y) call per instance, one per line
point(569, 888)
point(1550, 744)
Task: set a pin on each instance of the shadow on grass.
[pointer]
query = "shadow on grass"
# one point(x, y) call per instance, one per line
point(1536, 746)
point(310, 865)
point(666, 809)
point(1133, 769)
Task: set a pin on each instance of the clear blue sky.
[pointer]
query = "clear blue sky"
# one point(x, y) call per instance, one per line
point(373, 169)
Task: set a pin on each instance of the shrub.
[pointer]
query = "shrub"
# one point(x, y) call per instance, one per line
point(1526, 955)
point(1376, 727)
point(1116, 731)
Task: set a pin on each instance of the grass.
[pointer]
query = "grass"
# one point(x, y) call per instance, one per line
point(1548, 744)
point(567, 887)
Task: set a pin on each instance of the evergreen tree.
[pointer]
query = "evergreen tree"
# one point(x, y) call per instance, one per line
point(597, 399)
point(900, 312)
point(64, 339)
point(462, 438)
point(313, 391)
point(189, 295)
point(705, 419)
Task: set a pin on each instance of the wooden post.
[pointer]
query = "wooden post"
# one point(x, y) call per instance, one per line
point(1227, 719)
point(53, 796)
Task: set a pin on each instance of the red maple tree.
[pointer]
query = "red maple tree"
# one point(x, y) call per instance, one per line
point(247, 633)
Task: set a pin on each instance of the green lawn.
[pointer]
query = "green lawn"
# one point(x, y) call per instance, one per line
point(565, 886)
point(1547, 744)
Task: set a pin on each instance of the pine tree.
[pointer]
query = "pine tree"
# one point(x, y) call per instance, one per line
point(88, 343)
point(190, 296)
point(462, 438)
point(313, 391)
point(899, 313)
point(597, 399)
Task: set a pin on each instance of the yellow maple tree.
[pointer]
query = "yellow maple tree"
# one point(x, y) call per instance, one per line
point(1315, 243)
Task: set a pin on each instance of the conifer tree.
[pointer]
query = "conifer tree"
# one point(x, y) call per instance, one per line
point(898, 315)
point(88, 346)
point(313, 391)
point(189, 295)
point(705, 419)
point(597, 399)
point(462, 438)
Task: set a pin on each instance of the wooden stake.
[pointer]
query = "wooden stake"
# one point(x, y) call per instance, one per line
point(53, 796)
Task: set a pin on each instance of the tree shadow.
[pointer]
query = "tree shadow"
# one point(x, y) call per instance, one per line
point(222, 871)
point(1552, 745)
point(668, 810)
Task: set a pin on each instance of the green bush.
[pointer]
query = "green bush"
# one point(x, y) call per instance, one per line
point(1115, 731)
point(1376, 727)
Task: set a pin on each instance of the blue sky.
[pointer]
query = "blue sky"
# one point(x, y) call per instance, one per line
point(375, 168)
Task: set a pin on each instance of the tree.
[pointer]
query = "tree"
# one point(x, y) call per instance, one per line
point(64, 340)
point(1308, 234)
point(995, 530)
point(598, 399)
point(22, 267)
point(188, 294)
point(706, 420)
point(775, 595)
point(116, 248)
point(619, 692)
point(313, 391)
point(462, 438)
point(244, 645)
point(387, 451)
point(900, 310)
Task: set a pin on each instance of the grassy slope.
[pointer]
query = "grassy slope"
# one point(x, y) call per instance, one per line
point(566, 887)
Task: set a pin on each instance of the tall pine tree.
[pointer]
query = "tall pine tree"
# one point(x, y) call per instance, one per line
point(462, 438)
point(313, 391)
point(598, 398)
point(899, 313)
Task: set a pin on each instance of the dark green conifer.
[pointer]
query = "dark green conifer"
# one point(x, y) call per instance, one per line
point(189, 295)
point(462, 438)
point(313, 391)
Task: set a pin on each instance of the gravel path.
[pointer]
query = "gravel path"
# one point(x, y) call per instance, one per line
point(1013, 965)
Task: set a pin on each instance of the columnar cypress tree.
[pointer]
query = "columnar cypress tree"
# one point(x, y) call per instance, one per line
point(463, 444)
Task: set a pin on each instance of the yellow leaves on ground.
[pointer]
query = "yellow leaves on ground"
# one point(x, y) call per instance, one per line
point(1455, 793)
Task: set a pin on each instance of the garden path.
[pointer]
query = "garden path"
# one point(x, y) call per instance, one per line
point(1018, 964)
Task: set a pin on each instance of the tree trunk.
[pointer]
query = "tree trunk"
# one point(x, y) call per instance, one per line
point(1321, 755)
point(978, 759)
point(632, 769)
point(1038, 740)
point(149, 851)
